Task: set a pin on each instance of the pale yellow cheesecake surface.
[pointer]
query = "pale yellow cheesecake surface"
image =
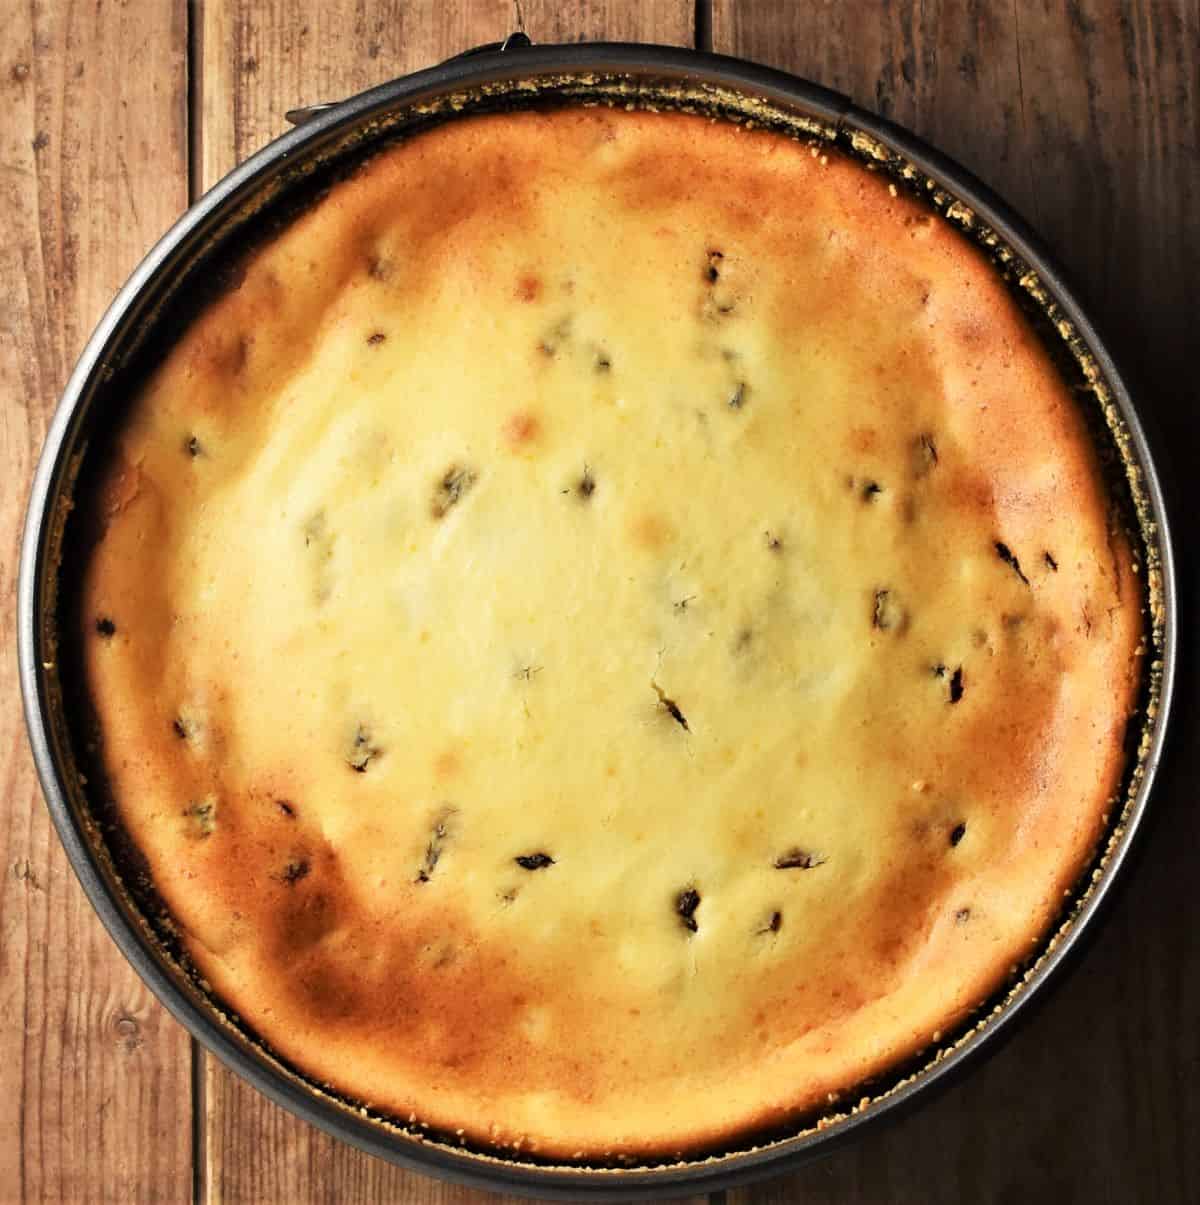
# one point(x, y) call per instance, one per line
point(611, 634)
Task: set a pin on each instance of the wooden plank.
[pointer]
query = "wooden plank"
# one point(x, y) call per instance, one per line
point(95, 1097)
point(1084, 116)
point(257, 61)
point(260, 59)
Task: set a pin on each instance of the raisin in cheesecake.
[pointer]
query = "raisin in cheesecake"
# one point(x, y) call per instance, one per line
point(610, 635)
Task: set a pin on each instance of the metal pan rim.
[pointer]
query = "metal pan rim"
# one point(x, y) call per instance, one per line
point(638, 62)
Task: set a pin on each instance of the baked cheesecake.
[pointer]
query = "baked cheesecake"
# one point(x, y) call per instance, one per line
point(611, 635)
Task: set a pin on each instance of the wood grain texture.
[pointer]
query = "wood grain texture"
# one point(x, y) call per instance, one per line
point(94, 1076)
point(257, 1152)
point(257, 61)
point(1084, 116)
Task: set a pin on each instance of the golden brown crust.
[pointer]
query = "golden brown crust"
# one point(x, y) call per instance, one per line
point(614, 633)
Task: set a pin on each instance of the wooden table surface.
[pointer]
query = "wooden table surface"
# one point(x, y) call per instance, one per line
point(1083, 113)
